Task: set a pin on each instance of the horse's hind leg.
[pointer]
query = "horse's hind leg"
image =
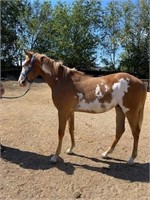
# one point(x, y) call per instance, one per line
point(120, 128)
point(135, 121)
point(71, 131)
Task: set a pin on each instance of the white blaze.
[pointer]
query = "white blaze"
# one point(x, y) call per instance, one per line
point(23, 71)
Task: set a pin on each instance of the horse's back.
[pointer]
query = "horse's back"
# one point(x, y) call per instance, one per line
point(135, 84)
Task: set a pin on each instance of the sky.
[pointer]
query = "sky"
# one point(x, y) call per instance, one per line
point(54, 2)
point(104, 2)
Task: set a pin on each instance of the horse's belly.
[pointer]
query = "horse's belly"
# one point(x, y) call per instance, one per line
point(94, 106)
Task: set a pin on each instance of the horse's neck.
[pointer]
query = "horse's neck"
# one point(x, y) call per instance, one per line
point(62, 73)
point(53, 76)
point(51, 81)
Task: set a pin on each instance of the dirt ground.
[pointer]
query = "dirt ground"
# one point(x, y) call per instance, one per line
point(28, 127)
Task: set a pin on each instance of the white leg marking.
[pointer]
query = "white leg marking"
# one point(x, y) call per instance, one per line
point(104, 155)
point(131, 161)
point(53, 159)
point(109, 150)
point(69, 151)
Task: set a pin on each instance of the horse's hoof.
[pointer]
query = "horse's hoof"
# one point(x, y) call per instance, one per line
point(131, 161)
point(53, 159)
point(69, 151)
point(104, 155)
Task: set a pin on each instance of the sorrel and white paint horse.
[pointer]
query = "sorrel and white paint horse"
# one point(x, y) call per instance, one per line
point(74, 91)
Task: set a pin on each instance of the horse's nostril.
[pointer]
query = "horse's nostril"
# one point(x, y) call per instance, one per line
point(23, 82)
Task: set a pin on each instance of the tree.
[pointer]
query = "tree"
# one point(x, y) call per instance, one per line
point(86, 20)
point(24, 26)
point(36, 26)
point(74, 37)
point(66, 33)
point(110, 34)
point(10, 13)
point(135, 58)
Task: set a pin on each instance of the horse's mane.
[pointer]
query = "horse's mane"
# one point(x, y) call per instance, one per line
point(57, 68)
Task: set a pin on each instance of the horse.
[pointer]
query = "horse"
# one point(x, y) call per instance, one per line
point(74, 91)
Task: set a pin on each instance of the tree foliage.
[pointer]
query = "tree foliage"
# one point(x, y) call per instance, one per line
point(83, 34)
point(135, 57)
point(110, 40)
point(10, 15)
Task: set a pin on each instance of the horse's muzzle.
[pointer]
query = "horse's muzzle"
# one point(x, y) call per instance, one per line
point(22, 82)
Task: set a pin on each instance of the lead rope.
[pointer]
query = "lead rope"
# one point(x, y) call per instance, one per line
point(17, 96)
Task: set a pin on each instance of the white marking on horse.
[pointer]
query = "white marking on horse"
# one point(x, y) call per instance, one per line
point(80, 95)
point(45, 69)
point(119, 90)
point(106, 88)
point(23, 71)
point(131, 161)
point(98, 92)
point(53, 159)
point(104, 155)
point(24, 62)
point(94, 106)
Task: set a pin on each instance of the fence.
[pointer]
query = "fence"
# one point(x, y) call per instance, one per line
point(15, 73)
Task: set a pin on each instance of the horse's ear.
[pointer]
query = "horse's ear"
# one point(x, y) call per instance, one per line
point(28, 53)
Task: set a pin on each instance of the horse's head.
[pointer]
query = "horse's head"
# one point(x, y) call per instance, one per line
point(30, 68)
point(38, 64)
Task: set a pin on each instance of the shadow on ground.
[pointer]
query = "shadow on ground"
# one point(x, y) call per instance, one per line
point(34, 161)
point(119, 169)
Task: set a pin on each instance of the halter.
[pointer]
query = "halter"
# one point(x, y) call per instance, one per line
point(30, 68)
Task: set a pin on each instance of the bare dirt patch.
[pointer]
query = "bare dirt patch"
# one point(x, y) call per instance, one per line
point(29, 133)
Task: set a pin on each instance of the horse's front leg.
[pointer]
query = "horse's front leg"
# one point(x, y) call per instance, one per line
point(63, 117)
point(71, 131)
